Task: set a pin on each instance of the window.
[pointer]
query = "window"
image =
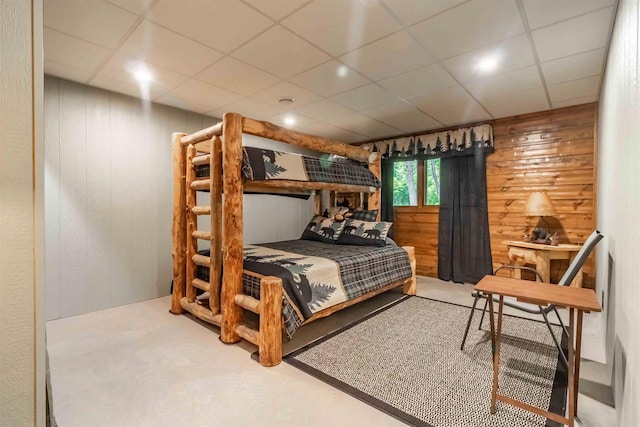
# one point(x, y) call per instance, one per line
point(405, 183)
point(416, 183)
point(432, 182)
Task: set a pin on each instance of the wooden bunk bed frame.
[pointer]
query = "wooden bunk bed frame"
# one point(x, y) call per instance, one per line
point(223, 143)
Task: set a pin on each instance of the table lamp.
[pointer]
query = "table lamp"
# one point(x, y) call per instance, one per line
point(539, 204)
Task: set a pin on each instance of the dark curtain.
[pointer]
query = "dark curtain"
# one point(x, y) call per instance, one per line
point(386, 196)
point(464, 249)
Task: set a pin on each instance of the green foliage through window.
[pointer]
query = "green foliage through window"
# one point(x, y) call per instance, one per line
point(405, 183)
point(432, 182)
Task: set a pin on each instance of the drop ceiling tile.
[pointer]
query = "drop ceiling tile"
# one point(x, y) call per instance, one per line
point(418, 82)
point(574, 89)
point(72, 52)
point(282, 119)
point(364, 97)
point(505, 83)
point(545, 12)
point(575, 101)
point(280, 52)
point(273, 94)
point(450, 106)
point(330, 78)
point(236, 76)
point(134, 6)
point(66, 72)
point(248, 108)
point(510, 55)
point(276, 9)
point(120, 68)
point(392, 55)
point(221, 24)
point(411, 11)
point(359, 123)
point(127, 88)
point(402, 116)
point(159, 46)
point(204, 94)
point(468, 27)
point(338, 26)
point(323, 110)
point(578, 35)
point(573, 67)
point(326, 130)
point(97, 22)
point(515, 103)
point(182, 104)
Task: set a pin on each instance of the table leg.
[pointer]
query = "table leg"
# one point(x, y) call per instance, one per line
point(496, 356)
point(571, 381)
point(491, 324)
point(577, 281)
point(577, 361)
point(543, 265)
point(516, 273)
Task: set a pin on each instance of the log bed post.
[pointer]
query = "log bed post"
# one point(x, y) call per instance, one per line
point(318, 202)
point(232, 242)
point(374, 197)
point(270, 336)
point(215, 245)
point(179, 224)
point(409, 287)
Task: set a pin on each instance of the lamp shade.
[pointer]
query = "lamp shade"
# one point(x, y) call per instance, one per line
point(539, 204)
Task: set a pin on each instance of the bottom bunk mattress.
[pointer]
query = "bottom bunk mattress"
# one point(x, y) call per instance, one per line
point(316, 275)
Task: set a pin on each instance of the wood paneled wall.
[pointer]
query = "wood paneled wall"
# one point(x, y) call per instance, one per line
point(552, 151)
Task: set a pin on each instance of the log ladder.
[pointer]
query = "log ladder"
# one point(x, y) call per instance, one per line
point(185, 227)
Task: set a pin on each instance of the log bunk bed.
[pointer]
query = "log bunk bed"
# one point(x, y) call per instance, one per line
point(220, 147)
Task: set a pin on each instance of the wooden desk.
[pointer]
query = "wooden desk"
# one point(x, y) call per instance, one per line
point(575, 299)
point(521, 253)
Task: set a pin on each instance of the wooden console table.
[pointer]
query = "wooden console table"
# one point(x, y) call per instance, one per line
point(575, 299)
point(521, 253)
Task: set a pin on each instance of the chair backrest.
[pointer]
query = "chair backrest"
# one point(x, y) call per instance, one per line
point(581, 258)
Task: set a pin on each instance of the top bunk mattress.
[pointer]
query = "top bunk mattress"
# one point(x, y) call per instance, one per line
point(259, 164)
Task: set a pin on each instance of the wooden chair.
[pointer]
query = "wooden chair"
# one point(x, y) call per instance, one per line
point(566, 280)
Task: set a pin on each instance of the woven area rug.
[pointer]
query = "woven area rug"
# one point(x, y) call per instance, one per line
point(406, 361)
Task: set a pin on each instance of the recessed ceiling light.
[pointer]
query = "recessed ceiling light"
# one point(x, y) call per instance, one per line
point(142, 74)
point(289, 120)
point(342, 71)
point(488, 64)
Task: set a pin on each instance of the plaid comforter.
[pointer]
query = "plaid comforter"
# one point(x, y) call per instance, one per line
point(318, 275)
point(260, 164)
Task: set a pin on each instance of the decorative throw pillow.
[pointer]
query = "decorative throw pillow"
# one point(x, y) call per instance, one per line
point(364, 233)
point(323, 229)
point(363, 215)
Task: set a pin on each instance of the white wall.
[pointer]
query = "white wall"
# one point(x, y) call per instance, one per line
point(267, 218)
point(21, 215)
point(108, 198)
point(618, 256)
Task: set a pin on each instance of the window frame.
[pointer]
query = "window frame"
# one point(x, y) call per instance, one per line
point(421, 189)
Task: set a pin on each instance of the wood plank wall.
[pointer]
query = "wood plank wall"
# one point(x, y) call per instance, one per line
point(552, 151)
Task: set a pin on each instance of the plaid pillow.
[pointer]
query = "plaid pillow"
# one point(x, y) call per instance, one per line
point(364, 215)
point(323, 229)
point(364, 233)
